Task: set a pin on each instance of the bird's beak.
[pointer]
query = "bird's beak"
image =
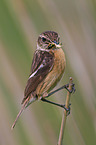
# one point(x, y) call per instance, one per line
point(54, 44)
point(57, 45)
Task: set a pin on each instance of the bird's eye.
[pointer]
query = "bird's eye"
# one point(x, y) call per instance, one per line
point(43, 39)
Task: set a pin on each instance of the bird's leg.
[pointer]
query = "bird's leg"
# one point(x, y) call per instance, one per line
point(60, 105)
point(63, 87)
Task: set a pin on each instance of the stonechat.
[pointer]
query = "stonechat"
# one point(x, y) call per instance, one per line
point(47, 68)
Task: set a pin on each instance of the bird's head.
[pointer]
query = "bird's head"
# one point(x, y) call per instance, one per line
point(48, 40)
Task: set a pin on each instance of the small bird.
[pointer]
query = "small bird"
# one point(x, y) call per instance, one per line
point(47, 68)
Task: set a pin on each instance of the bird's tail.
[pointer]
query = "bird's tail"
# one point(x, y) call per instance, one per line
point(25, 105)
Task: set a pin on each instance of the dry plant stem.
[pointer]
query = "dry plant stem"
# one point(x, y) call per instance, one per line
point(64, 117)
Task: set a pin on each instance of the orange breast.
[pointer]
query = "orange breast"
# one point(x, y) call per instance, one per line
point(55, 74)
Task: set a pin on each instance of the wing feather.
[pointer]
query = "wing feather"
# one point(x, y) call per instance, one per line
point(42, 64)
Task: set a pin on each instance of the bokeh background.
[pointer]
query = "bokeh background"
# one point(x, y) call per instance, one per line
point(21, 21)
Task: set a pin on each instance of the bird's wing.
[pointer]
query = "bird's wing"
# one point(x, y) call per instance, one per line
point(42, 64)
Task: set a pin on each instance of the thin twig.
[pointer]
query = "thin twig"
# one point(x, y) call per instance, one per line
point(64, 117)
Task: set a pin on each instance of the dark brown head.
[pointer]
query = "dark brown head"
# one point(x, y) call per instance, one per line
point(48, 40)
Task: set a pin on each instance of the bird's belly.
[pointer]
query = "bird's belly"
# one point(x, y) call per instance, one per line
point(54, 75)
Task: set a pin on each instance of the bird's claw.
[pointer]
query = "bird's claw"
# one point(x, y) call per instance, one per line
point(72, 90)
point(67, 109)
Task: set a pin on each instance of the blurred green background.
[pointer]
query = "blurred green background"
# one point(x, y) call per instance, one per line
point(21, 21)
